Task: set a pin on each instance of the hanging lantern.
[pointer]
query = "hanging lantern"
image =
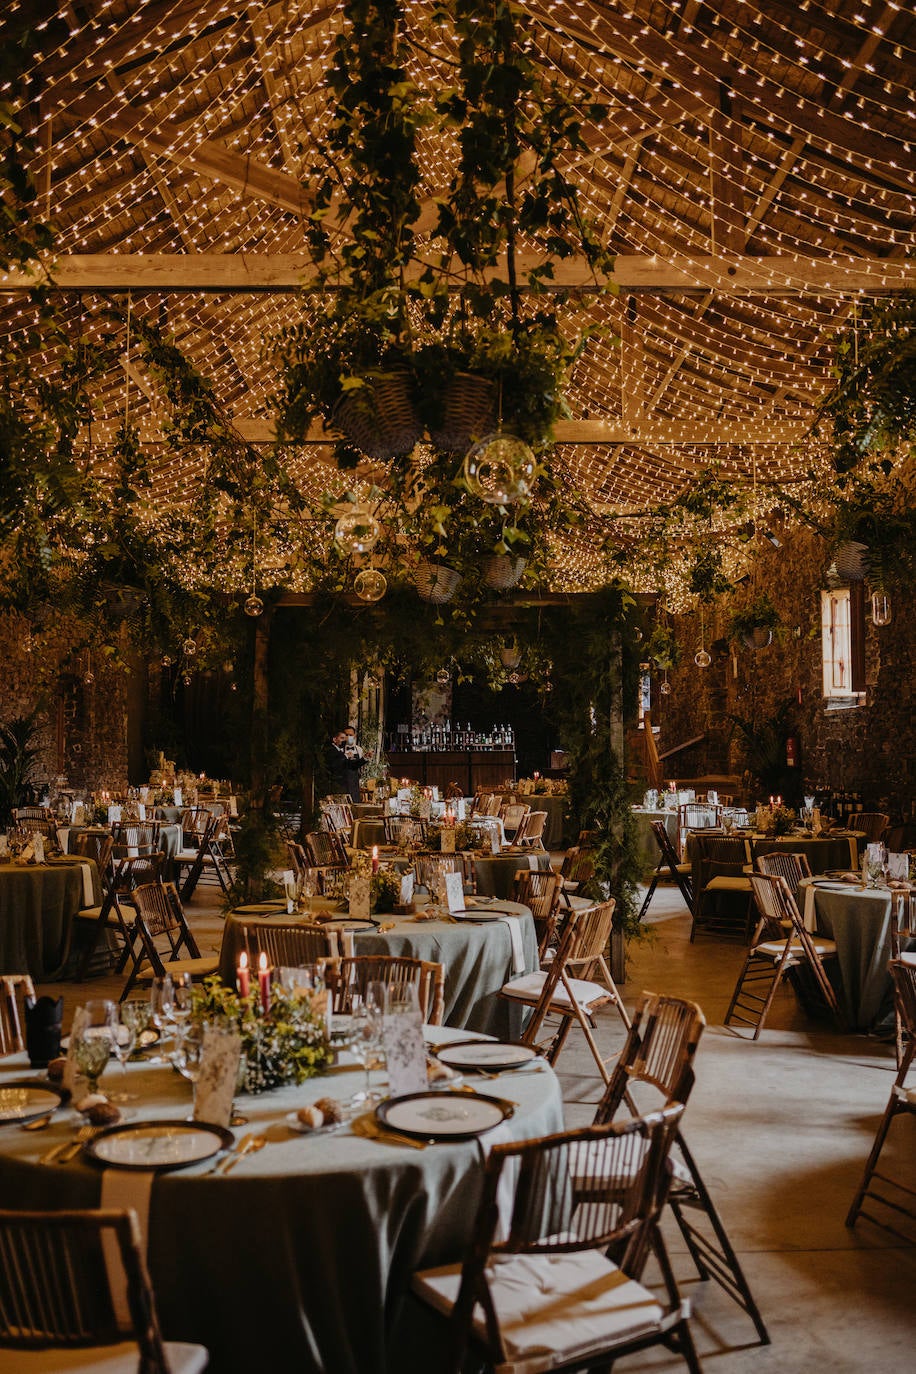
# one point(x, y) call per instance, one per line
point(357, 532)
point(665, 687)
point(167, 660)
point(189, 647)
point(881, 612)
point(254, 606)
point(443, 677)
point(702, 658)
point(89, 677)
point(370, 584)
point(500, 470)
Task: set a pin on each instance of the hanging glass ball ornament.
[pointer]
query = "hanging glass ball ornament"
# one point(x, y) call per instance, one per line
point(254, 606)
point(228, 666)
point(189, 647)
point(167, 660)
point(516, 678)
point(357, 532)
point(233, 686)
point(186, 679)
point(500, 470)
point(443, 677)
point(370, 584)
point(702, 658)
point(665, 688)
point(89, 677)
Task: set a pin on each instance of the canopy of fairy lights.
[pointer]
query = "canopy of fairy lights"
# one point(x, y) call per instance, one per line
point(755, 176)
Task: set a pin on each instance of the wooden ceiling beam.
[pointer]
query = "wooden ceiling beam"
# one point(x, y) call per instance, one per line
point(775, 276)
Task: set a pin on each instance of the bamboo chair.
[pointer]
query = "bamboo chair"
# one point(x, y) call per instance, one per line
point(288, 944)
point(350, 976)
point(392, 829)
point(668, 866)
point(431, 867)
point(13, 986)
point(722, 874)
point(338, 818)
point(537, 1289)
point(136, 837)
point(326, 854)
point(160, 921)
point(658, 1059)
point(903, 928)
point(902, 1101)
point(781, 863)
point(196, 828)
point(874, 823)
point(493, 804)
point(77, 1297)
point(530, 833)
point(512, 814)
point(110, 918)
point(568, 991)
point(780, 944)
point(539, 890)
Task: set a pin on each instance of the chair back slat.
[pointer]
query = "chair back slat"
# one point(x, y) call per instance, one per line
point(288, 944)
point(782, 863)
point(660, 1049)
point(13, 986)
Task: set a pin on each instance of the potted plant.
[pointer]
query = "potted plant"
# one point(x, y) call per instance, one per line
point(755, 623)
point(662, 648)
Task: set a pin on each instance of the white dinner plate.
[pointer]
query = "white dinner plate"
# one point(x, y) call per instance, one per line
point(21, 1102)
point(158, 1144)
point(443, 1116)
point(488, 1055)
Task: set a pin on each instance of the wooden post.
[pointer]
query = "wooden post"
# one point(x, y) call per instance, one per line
point(259, 704)
point(617, 744)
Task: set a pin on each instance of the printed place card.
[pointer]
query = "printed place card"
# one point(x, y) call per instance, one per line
point(447, 838)
point(359, 897)
point(219, 1071)
point(405, 1053)
point(406, 894)
point(454, 890)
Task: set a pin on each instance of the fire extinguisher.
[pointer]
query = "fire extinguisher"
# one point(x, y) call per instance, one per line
point(792, 751)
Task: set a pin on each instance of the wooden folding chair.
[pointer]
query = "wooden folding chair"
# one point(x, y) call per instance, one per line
point(892, 1194)
point(782, 863)
point(77, 1296)
point(512, 814)
point(136, 837)
point(160, 920)
point(874, 823)
point(780, 944)
point(352, 974)
point(658, 1058)
point(723, 879)
point(430, 869)
point(110, 918)
point(539, 890)
point(668, 866)
point(530, 833)
point(13, 986)
point(568, 991)
point(538, 1290)
point(288, 944)
point(903, 931)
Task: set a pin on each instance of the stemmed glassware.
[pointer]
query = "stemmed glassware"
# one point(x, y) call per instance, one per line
point(161, 1005)
point(94, 1034)
point(367, 1015)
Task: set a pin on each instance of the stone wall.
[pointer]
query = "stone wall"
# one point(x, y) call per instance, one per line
point(82, 724)
point(870, 750)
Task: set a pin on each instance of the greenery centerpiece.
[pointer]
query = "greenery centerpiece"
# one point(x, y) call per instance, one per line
point(777, 820)
point(286, 1044)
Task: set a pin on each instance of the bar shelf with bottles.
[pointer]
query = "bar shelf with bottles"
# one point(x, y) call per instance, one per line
point(436, 755)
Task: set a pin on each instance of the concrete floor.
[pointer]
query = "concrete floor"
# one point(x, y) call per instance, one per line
point(780, 1130)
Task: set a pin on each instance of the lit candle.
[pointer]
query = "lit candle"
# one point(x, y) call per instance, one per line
point(536, 776)
point(241, 974)
point(264, 982)
point(771, 803)
point(375, 858)
point(779, 801)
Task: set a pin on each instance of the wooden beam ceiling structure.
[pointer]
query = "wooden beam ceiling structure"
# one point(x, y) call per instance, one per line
point(755, 175)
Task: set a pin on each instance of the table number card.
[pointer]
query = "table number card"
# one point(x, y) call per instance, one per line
point(447, 837)
point(359, 898)
point(38, 843)
point(405, 1052)
point(68, 1079)
point(177, 796)
point(454, 890)
point(406, 894)
point(425, 808)
point(495, 846)
point(219, 1072)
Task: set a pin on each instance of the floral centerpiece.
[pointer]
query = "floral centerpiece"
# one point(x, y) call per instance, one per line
point(286, 1044)
point(777, 820)
point(384, 890)
point(464, 837)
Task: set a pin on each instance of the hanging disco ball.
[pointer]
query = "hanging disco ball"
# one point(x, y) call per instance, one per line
point(357, 532)
point(443, 677)
point(254, 606)
point(500, 470)
point(702, 658)
point(370, 584)
point(189, 647)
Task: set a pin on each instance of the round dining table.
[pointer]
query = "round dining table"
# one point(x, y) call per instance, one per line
point(301, 1257)
point(37, 905)
point(494, 874)
point(858, 919)
point(479, 949)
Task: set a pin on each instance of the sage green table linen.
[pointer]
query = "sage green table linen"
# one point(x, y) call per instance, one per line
point(37, 907)
point(301, 1258)
point(477, 959)
point(495, 874)
point(859, 920)
point(645, 835)
point(823, 852)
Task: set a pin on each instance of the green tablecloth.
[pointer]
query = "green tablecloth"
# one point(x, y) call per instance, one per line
point(645, 836)
point(37, 906)
point(477, 959)
point(367, 832)
point(824, 853)
point(859, 920)
point(301, 1258)
point(495, 873)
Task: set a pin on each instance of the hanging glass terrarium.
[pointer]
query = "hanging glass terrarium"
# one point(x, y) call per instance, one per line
point(500, 469)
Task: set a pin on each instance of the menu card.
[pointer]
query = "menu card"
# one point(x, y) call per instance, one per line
point(405, 1051)
point(177, 796)
point(218, 1077)
point(359, 897)
point(447, 839)
point(898, 866)
point(38, 845)
point(454, 890)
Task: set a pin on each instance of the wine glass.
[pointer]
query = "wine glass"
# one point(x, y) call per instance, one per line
point(182, 999)
point(364, 1039)
point(161, 1004)
point(93, 1038)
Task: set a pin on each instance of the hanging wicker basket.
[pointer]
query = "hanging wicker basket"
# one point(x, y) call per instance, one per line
point(851, 561)
point(468, 411)
point(501, 571)
point(759, 638)
point(380, 418)
point(435, 582)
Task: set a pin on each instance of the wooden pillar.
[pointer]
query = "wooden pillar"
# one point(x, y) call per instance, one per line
point(259, 705)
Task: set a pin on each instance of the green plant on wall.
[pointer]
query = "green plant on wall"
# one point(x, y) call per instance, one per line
point(18, 756)
point(763, 747)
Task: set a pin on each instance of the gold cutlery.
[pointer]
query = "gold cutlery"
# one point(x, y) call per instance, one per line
point(62, 1154)
point(249, 1146)
point(39, 1123)
point(370, 1129)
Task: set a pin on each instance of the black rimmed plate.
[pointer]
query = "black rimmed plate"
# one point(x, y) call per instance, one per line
point(434, 1115)
point(352, 923)
point(22, 1102)
point(489, 1056)
point(158, 1145)
point(259, 909)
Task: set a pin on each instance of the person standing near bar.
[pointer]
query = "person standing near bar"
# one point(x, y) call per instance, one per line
point(355, 758)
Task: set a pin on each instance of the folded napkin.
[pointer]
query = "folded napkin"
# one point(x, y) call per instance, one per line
point(124, 1188)
point(63, 838)
point(810, 918)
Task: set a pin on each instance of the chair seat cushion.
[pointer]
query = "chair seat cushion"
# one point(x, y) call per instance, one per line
point(88, 913)
point(571, 901)
point(186, 856)
point(198, 968)
point(908, 957)
point(728, 884)
point(774, 948)
point(123, 1358)
point(529, 987)
point(552, 1309)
